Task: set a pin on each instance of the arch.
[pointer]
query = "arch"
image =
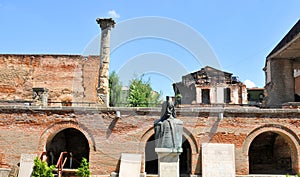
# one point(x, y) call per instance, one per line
point(49, 133)
point(287, 134)
point(185, 157)
point(68, 140)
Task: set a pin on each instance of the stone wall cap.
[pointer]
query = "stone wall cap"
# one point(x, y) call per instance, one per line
point(257, 112)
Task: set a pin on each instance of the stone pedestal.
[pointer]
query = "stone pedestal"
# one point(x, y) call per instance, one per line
point(168, 161)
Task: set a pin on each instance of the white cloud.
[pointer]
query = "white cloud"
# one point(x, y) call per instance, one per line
point(113, 14)
point(249, 84)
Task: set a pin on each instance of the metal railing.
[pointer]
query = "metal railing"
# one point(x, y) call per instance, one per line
point(61, 163)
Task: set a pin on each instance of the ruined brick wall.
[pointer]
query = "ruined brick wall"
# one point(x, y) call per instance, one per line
point(281, 88)
point(28, 130)
point(66, 76)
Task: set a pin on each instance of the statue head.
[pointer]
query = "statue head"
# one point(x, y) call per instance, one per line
point(170, 108)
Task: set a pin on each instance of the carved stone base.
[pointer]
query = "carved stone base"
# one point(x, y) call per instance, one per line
point(168, 162)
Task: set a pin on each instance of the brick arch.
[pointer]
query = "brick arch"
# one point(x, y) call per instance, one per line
point(186, 133)
point(289, 135)
point(191, 139)
point(49, 133)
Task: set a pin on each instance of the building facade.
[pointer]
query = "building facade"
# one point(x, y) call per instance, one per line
point(255, 96)
point(210, 86)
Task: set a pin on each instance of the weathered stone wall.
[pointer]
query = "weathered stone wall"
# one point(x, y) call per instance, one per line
point(281, 89)
point(68, 77)
point(29, 129)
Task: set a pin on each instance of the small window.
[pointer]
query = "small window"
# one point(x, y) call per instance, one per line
point(205, 96)
point(227, 95)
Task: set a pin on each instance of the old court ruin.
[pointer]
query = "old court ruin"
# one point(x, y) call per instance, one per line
point(266, 140)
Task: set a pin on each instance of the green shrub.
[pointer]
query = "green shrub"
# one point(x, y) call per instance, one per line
point(41, 169)
point(84, 169)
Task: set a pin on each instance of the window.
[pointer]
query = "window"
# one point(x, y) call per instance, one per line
point(227, 95)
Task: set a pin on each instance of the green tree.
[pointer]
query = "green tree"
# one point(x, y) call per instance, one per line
point(41, 169)
point(84, 169)
point(115, 90)
point(141, 94)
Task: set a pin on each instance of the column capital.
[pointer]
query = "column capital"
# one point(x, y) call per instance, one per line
point(106, 23)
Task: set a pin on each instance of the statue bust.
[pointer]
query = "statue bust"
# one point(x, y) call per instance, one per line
point(168, 129)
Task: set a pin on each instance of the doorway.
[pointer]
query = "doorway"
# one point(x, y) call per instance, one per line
point(269, 153)
point(73, 142)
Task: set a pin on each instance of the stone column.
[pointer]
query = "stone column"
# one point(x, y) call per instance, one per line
point(106, 24)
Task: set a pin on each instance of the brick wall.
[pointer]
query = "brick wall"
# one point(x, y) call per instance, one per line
point(72, 76)
point(29, 129)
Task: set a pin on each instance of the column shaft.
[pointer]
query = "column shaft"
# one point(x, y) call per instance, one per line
point(103, 78)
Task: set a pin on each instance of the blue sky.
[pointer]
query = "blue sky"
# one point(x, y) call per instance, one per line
point(240, 33)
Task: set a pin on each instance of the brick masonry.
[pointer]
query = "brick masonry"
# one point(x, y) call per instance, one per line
point(64, 75)
point(28, 129)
